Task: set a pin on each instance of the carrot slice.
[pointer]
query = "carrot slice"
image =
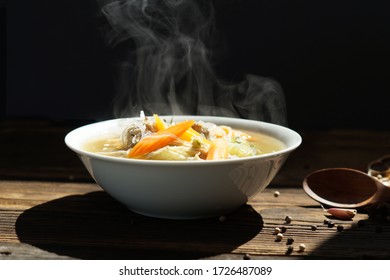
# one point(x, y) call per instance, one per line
point(159, 139)
point(218, 150)
point(190, 133)
point(160, 124)
point(187, 136)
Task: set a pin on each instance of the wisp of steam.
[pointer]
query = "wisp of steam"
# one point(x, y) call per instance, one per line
point(166, 64)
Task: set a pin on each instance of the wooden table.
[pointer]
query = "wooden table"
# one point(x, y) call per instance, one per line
point(51, 209)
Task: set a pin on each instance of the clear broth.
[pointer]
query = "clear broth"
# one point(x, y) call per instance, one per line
point(112, 145)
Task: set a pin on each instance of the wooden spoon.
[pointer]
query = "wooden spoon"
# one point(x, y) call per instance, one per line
point(345, 188)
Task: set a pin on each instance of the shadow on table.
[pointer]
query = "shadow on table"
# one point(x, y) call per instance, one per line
point(95, 226)
point(366, 239)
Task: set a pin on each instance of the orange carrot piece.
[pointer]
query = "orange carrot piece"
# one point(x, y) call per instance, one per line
point(218, 150)
point(187, 136)
point(160, 124)
point(190, 133)
point(159, 139)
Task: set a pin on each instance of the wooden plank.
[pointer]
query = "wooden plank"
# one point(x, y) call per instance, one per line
point(23, 251)
point(26, 194)
point(36, 150)
point(80, 221)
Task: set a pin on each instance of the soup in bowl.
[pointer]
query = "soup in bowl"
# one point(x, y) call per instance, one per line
point(183, 167)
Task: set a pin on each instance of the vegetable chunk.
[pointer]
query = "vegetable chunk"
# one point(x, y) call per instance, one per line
point(159, 139)
point(218, 150)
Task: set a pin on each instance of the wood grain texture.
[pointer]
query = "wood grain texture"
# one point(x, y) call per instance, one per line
point(41, 220)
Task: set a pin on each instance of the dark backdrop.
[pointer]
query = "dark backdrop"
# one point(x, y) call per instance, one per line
point(330, 57)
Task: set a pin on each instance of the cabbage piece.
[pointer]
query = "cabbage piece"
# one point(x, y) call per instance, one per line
point(174, 153)
point(243, 149)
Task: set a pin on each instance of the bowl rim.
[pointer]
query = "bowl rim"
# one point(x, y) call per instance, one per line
point(297, 140)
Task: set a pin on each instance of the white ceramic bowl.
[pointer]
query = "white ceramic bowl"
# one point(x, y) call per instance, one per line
point(183, 189)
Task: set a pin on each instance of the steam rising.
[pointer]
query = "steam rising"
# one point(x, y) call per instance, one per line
point(166, 66)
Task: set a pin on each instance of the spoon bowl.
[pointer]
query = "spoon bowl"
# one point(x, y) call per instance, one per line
point(345, 188)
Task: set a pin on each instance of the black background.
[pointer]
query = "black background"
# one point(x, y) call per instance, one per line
point(330, 57)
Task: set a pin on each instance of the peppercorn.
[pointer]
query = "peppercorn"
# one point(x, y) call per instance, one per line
point(288, 219)
point(247, 257)
point(279, 237)
point(290, 249)
point(326, 221)
point(302, 247)
point(290, 241)
point(340, 228)
point(276, 194)
point(313, 227)
point(277, 230)
point(283, 229)
point(330, 224)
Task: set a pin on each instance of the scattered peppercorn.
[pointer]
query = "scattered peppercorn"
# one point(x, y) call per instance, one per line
point(290, 249)
point(340, 228)
point(290, 241)
point(279, 237)
point(276, 194)
point(302, 247)
point(326, 221)
point(283, 229)
point(247, 257)
point(277, 230)
point(288, 219)
point(330, 224)
point(313, 227)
